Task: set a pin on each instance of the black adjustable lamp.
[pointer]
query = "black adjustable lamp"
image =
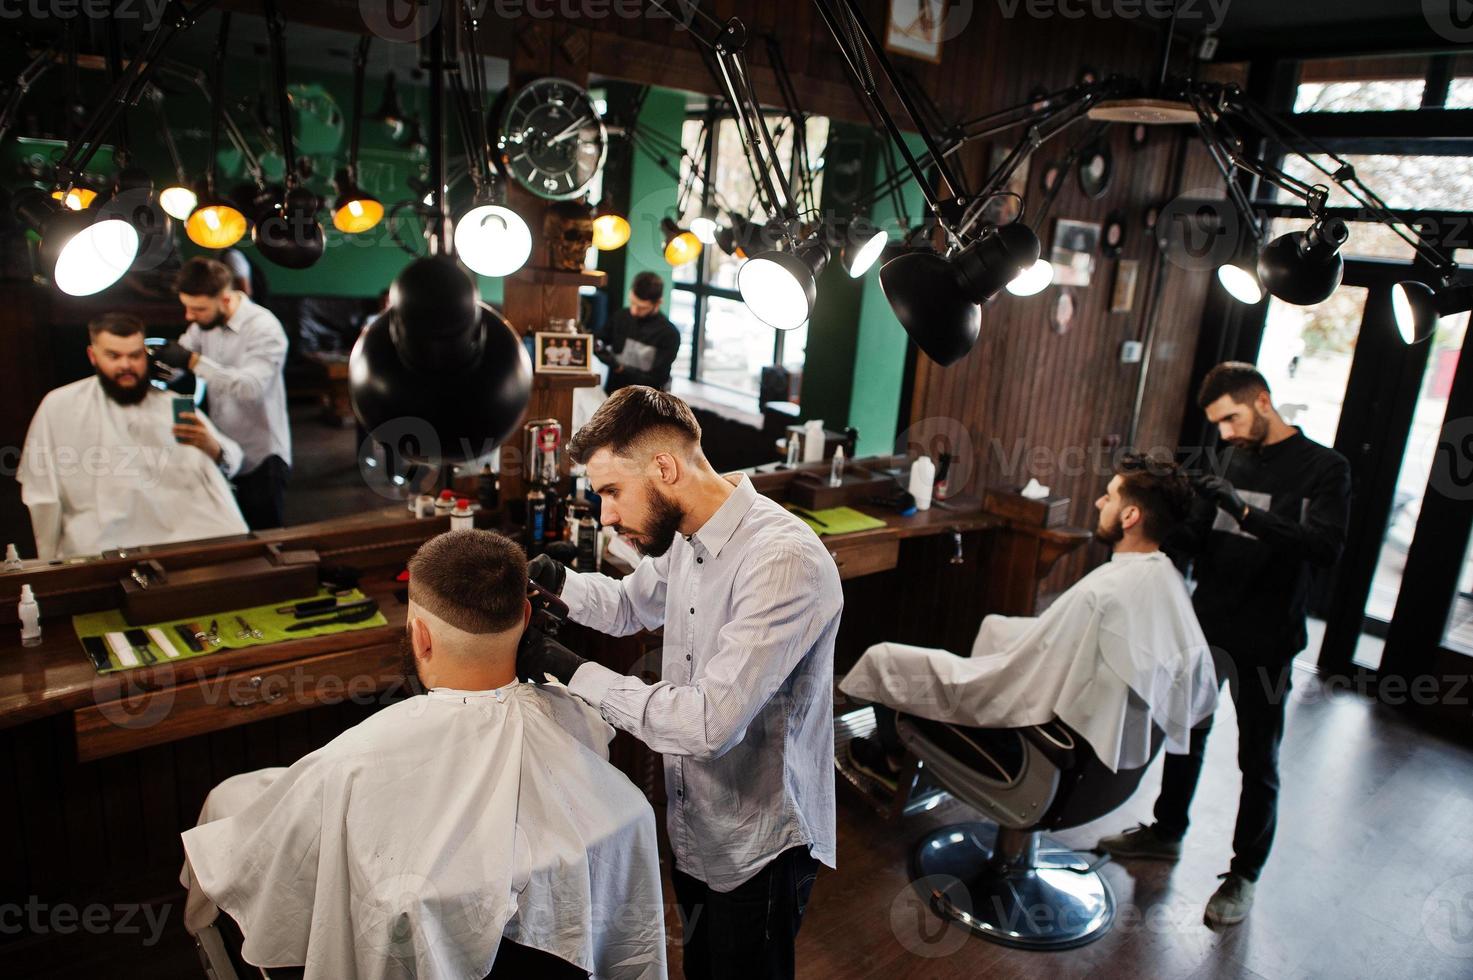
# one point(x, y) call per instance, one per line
point(287, 231)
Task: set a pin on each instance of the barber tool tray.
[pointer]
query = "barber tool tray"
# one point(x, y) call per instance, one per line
point(812, 490)
point(1008, 502)
point(153, 593)
point(111, 642)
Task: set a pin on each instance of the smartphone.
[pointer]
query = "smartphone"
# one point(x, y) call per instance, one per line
point(182, 406)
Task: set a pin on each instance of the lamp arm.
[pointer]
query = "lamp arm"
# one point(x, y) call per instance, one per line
point(232, 131)
point(731, 68)
point(276, 30)
point(360, 71)
point(1223, 159)
point(22, 86)
point(804, 166)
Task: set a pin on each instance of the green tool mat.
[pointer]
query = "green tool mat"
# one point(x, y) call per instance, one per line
point(840, 520)
point(271, 624)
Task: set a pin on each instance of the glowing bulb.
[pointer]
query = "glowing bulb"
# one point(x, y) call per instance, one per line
point(76, 199)
point(772, 290)
point(96, 257)
point(684, 247)
point(868, 254)
point(610, 231)
point(1240, 283)
point(493, 240)
point(1032, 279)
point(704, 228)
point(215, 226)
point(178, 201)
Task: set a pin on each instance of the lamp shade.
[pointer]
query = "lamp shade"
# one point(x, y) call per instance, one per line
point(493, 240)
point(703, 225)
point(289, 233)
point(1305, 267)
point(863, 245)
point(780, 288)
point(439, 367)
point(1417, 307)
point(76, 199)
point(215, 223)
point(610, 231)
point(178, 201)
point(681, 246)
point(1240, 279)
point(1034, 279)
point(355, 210)
point(81, 252)
point(938, 300)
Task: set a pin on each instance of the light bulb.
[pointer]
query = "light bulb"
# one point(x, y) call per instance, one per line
point(96, 257)
point(493, 240)
point(610, 231)
point(178, 201)
point(76, 199)
point(215, 225)
point(868, 254)
point(1241, 284)
point(1033, 279)
point(704, 228)
point(684, 247)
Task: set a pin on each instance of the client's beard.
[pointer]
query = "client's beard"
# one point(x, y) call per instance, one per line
point(409, 667)
point(1111, 535)
point(122, 394)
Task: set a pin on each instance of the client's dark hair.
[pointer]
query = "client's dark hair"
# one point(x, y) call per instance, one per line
point(628, 415)
point(474, 580)
point(649, 287)
point(1239, 379)
point(1160, 489)
point(117, 324)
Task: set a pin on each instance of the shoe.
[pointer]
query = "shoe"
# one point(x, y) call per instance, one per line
point(866, 756)
point(1229, 905)
point(1141, 842)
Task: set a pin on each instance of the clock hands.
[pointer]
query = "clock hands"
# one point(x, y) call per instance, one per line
point(572, 128)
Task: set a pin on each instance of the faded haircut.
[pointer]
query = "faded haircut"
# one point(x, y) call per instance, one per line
point(1159, 487)
point(1238, 379)
point(474, 580)
point(628, 416)
point(117, 324)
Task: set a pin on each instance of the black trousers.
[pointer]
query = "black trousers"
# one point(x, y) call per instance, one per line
point(748, 932)
point(261, 494)
point(1260, 694)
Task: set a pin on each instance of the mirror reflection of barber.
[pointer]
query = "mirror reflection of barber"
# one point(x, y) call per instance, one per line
point(639, 344)
point(107, 466)
point(238, 349)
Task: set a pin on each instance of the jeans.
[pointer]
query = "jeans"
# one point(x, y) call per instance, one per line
point(748, 932)
point(1260, 694)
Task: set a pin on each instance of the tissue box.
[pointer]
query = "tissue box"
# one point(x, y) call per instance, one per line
point(1009, 503)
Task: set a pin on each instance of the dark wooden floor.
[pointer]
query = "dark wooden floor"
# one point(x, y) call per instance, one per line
point(1371, 874)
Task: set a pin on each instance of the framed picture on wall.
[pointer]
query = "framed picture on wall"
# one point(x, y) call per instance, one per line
point(915, 28)
point(1073, 253)
point(563, 353)
point(1122, 297)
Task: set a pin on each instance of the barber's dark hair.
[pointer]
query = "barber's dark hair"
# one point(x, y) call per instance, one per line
point(628, 415)
point(117, 324)
point(1239, 379)
point(474, 580)
point(202, 276)
point(649, 287)
point(1159, 487)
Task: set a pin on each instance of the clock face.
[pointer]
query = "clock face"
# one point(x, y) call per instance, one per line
point(552, 140)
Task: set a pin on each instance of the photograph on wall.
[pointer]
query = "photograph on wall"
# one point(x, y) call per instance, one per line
point(1073, 253)
point(915, 28)
point(568, 353)
point(1122, 297)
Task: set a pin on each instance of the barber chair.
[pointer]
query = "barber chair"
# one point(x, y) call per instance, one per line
point(219, 946)
point(1004, 880)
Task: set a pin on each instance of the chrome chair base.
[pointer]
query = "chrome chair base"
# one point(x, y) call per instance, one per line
point(1015, 888)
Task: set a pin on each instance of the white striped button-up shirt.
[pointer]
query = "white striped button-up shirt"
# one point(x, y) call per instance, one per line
point(743, 713)
point(241, 363)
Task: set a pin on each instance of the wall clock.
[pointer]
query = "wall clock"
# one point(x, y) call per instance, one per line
point(551, 138)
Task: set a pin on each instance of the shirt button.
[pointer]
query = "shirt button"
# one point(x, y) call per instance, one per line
point(700, 561)
point(687, 656)
point(692, 610)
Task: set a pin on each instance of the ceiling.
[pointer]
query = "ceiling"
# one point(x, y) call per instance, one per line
point(1325, 27)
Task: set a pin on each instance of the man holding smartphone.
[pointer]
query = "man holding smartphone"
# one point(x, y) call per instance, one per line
point(109, 462)
point(743, 714)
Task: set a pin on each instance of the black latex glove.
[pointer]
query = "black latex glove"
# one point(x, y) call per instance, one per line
point(1218, 490)
point(548, 573)
point(606, 355)
point(538, 655)
point(173, 353)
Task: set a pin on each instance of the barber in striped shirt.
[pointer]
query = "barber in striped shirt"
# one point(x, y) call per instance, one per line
point(743, 714)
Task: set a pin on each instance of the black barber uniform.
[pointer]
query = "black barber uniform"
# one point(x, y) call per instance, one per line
point(642, 348)
point(1252, 596)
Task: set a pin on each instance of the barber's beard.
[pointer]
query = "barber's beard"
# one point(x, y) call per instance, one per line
point(124, 394)
point(1257, 434)
point(664, 523)
point(1111, 535)
point(409, 667)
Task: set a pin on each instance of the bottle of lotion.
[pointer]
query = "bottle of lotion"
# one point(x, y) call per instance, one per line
point(30, 618)
point(922, 481)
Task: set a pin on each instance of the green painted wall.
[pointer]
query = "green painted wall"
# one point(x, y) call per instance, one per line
point(652, 194)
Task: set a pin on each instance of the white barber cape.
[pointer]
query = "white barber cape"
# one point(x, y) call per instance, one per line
point(97, 475)
point(1125, 628)
point(410, 844)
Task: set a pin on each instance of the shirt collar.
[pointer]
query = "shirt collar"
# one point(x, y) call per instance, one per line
point(1125, 556)
point(451, 694)
point(720, 526)
point(238, 317)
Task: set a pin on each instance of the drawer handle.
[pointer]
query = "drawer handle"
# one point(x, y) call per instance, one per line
point(255, 683)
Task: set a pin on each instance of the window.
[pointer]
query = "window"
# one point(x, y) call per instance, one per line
point(1361, 84)
point(723, 344)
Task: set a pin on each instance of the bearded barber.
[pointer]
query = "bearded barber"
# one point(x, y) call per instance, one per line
point(1258, 534)
point(238, 349)
point(749, 601)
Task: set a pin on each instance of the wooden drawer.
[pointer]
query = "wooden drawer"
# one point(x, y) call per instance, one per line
point(865, 554)
point(212, 703)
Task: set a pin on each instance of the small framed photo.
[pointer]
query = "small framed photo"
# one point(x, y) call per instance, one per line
point(563, 353)
point(1073, 253)
point(916, 28)
point(1122, 297)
